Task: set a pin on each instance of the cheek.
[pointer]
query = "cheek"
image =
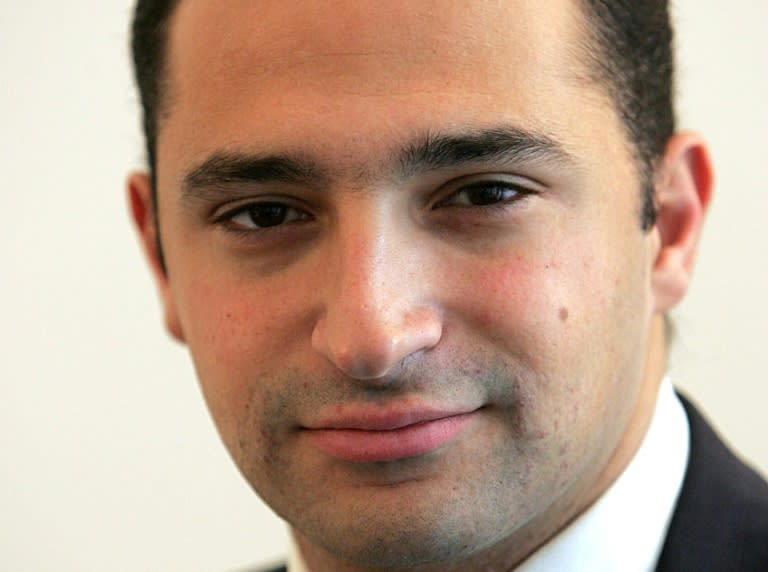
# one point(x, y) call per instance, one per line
point(236, 334)
point(564, 313)
point(523, 298)
point(232, 324)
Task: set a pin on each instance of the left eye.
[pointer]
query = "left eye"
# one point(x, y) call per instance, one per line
point(483, 194)
point(265, 215)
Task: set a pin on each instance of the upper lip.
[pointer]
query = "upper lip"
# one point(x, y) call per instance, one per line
point(383, 418)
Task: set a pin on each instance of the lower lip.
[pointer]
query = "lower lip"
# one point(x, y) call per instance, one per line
point(364, 446)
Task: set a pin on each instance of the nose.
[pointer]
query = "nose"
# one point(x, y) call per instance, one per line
point(377, 307)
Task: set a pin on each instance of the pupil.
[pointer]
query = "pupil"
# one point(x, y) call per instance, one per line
point(485, 195)
point(268, 214)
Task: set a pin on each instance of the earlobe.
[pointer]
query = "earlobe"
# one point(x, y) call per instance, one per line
point(683, 192)
point(142, 210)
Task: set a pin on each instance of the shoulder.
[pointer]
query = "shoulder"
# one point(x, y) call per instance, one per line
point(721, 517)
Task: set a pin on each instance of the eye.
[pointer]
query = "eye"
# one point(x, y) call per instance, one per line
point(485, 193)
point(263, 215)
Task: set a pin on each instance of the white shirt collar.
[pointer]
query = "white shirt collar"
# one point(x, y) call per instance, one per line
point(625, 528)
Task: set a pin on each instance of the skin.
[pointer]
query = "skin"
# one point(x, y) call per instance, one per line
point(386, 289)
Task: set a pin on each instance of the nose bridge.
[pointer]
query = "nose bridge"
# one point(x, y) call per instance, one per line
point(369, 252)
point(376, 309)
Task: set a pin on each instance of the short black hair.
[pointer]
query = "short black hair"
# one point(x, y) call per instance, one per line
point(628, 50)
point(149, 46)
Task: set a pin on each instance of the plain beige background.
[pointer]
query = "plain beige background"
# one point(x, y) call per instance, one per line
point(109, 461)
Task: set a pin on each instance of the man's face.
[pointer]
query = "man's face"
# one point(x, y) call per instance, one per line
point(403, 246)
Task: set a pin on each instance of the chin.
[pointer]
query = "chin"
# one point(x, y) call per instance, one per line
point(407, 533)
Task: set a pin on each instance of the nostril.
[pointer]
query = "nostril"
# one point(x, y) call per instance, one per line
point(371, 349)
point(367, 369)
point(362, 358)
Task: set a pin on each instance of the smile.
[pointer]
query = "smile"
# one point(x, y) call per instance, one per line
point(367, 444)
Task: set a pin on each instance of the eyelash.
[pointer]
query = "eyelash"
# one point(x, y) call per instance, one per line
point(228, 218)
point(517, 191)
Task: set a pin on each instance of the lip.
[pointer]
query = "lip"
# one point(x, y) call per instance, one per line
point(382, 436)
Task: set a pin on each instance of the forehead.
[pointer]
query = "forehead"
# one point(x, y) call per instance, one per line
point(243, 37)
point(324, 70)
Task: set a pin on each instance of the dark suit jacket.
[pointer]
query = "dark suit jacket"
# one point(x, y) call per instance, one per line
point(720, 523)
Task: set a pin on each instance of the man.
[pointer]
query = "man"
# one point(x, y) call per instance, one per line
point(421, 253)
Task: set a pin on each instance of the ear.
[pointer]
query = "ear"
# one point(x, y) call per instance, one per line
point(144, 217)
point(683, 191)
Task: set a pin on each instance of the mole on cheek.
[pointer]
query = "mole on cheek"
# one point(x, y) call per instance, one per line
point(563, 314)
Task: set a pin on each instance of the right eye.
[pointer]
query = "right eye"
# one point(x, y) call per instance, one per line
point(262, 215)
point(486, 194)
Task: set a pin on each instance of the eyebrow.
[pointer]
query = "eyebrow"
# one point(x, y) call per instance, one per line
point(433, 152)
point(231, 168)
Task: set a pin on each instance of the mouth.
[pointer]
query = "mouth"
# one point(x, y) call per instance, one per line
point(378, 438)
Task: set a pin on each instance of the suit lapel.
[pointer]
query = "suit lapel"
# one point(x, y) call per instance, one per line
point(721, 518)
